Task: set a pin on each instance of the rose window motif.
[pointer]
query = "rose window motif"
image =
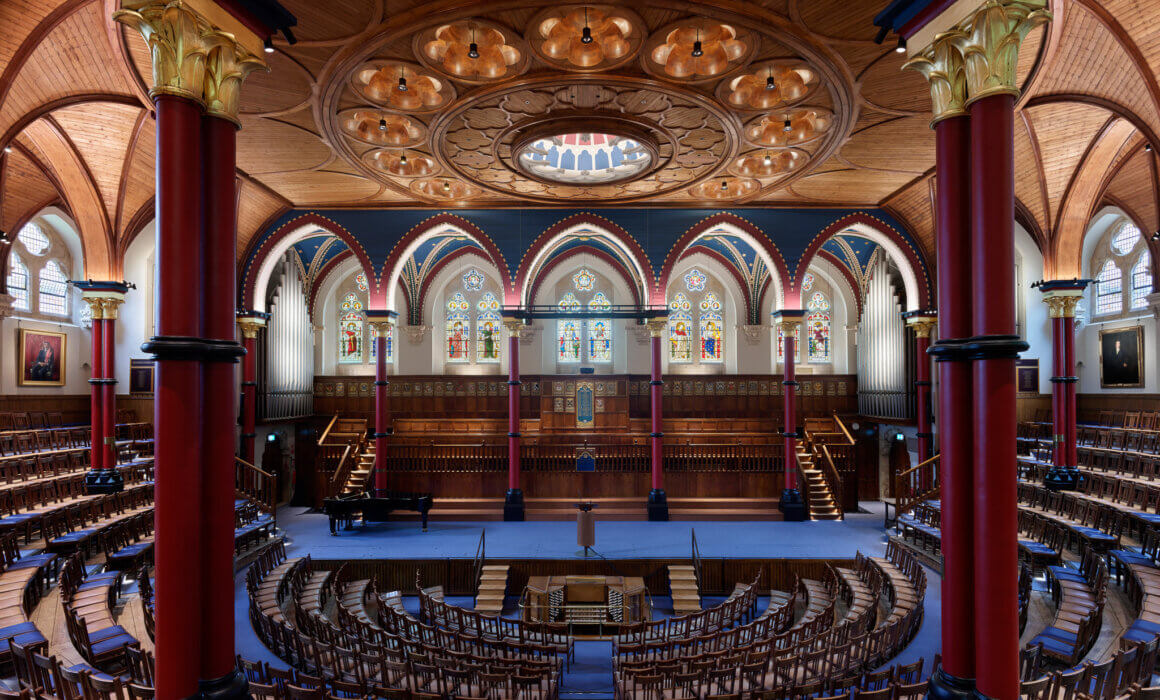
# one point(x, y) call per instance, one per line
point(770, 86)
point(382, 128)
point(584, 158)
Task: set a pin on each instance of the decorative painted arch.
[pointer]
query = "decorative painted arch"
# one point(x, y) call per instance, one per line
point(429, 277)
point(730, 265)
point(320, 279)
point(736, 226)
point(855, 288)
point(383, 286)
point(537, 254)
point(552, 264)
point(260, 263)
point(910, 264)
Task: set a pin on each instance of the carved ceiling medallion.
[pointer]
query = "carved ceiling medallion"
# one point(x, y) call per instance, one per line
point(769, 163)
point(789, 128)
point(502, 142)
point(401, 86)
point(401, 163)
point(770, 85)
point(473, 50)
point(725, 188)
point(382, 128)
point(586, 37)
point(697, 49)
point(443, 188)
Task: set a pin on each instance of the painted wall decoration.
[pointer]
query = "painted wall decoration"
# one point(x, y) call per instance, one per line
point(41, 357)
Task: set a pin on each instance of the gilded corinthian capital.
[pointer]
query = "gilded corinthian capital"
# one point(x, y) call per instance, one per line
point(990, 43)
point(177, 41)
point(942, 65)
point(227, 65)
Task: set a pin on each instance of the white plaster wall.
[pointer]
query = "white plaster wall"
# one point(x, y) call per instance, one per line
point(1035, 326)
point(135, 324)
point(78, 353)
point(732, 298)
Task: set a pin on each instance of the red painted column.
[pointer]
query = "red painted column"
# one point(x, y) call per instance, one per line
point(96, 411)
point(658, 506)
point(1061, 297)
point(178, 415)
point(922, 322)
point(380, 323)
point(108, 387)
point(994, 348)
point(219, 173)
point(251, 323)
point(791, 504)
point(956, 430)
point(513, 507)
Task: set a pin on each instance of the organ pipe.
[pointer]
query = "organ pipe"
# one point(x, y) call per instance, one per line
point(882, 387)
point(289, 350)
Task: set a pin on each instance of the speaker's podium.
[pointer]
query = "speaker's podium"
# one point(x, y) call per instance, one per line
point(589, 605)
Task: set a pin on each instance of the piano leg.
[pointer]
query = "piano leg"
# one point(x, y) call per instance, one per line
point(424, 514)
point(333, 528)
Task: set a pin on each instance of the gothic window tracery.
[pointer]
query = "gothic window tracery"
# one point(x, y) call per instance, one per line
point(699, 338)
point(1122, 270)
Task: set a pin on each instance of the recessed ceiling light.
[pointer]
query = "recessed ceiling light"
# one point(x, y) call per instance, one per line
point(901, 48)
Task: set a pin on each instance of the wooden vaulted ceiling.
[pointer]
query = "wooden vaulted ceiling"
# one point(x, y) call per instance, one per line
point(74, 109)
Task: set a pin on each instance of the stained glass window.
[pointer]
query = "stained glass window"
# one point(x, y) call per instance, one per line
point(818, 328)
point(1109, 290)
point(599, 331)
point(568, 330)
point(1141, 281)
point(360, 281)
point(781, 344)
point(458, 328)
point(473, 280)
point(710, 328)
point(53, 290)
point(33, 238)
point(680, 329)
point(18, 282)
point(808, 282)
point(584, 280)
point(487, 325)
point(1125, 238)
point(695, 280)
point(350, 330)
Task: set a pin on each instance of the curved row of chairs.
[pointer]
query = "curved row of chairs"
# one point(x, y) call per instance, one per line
point(435, 611)
point(1079, 595)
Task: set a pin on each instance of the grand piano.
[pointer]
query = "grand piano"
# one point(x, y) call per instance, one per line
point(373, 508)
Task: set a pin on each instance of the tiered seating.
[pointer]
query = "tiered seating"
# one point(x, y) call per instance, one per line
point(683, 588)
point(22, 583)
point(252, 526)
point(817, 653)
point(79, 526)
point(1142, 581)
point(88, 603)
point(638, 638)
point(129, 544)
point(1079, 596)
point(1095, 525)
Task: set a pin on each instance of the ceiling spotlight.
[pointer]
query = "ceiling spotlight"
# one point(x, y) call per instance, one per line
point(770, 83)
point(1148, 147)
point(382, 125)
point(4, 239)
point(403, 159)
point(586, 36)
point(768, 159)
point(724, 185)
point(901, 48)
point(8, 148)
point(1155, 236)
point(402, 80)
point(446, 186)
point(787, 127)
point(268, 45)
point(697, 52)
point(473, 50)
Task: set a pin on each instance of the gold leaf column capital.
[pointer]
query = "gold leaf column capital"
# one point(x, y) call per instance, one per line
point(1062, 303)
point(922, 325)
point(514, 327)
point(176, 36)
point(941, 64)
point(990, 42)
point(657, 326)
point(227, 65)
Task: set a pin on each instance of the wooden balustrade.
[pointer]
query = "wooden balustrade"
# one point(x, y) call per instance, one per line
point(915, 485)
point(257, 485)
point(434, 457)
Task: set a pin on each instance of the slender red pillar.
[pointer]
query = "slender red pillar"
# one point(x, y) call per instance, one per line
point(1061, 297)
point(219, 174)
point(109, 385)
point(178, 415)
point(381, 323)
point(956, 431)
point(251, 323)
point(513, 506)
point(791, 504)
point(658, 506)
point(922, 322)
point(96, 412)
point(994, 348)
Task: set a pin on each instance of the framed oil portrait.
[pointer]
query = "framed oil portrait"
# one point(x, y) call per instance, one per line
point(1121, 358)
point(140, 377)
point(41, 357)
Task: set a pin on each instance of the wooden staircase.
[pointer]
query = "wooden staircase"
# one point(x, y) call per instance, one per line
point(360, 473)
point(685, 591)
point(492, 589)
point(822, 504)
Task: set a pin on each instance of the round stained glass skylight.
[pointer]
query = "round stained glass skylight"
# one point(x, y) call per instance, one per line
point(585, 158)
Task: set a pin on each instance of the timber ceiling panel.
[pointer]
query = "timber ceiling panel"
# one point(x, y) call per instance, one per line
point(1030, 188)
point(1134, 188)
point(914, 205)
point(26, 189)
point(101, 133)
point(1064, 132)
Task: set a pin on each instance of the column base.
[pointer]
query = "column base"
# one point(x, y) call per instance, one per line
point(658, 505)
point(792, 507)
point(232, 686)
point(102, 481)
point(513, 505)
point(943, 686)
point(1062, 479)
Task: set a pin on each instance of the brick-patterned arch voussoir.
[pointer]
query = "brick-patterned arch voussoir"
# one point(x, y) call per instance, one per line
point(598, 222)
point(255, 260)
point(394, 258)
point(861, 217)
point(696, 230)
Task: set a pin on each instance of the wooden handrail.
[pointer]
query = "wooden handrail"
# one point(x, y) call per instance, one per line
point(920, 465)
point(830, 473)
point(342, 472)
point(915, 485)
point(258, 469)
point(257, 484)
point(849, 437)
point(326, 433)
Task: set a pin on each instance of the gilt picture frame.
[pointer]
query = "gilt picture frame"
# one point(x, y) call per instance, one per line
point(41, 357)
point(1122, 358)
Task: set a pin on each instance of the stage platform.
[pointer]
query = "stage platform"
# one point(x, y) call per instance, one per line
point(308, 532)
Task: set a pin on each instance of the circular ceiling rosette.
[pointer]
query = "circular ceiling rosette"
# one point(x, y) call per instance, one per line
point(443, 188)
point(586, 37)
point(769, 163)
point(769, 85)
point(791, 127)
point(697, 49)
point(380, 128)
point(401, 86)
point(725, 188)
point(401, 163)
point(472, 50)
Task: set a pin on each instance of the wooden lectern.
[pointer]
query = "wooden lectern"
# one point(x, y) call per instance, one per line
point(585, 526)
